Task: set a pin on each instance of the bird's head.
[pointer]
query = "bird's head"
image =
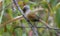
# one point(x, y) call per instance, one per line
point(26, 8)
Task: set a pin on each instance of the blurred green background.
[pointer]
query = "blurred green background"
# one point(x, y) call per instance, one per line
point(50, 14)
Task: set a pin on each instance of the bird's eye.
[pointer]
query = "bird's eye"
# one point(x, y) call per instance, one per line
point(24, 10)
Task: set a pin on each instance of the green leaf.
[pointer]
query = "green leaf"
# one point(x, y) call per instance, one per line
point(58, 17)
point(26, 1)
point(2, 13)
point(53, 2)
point(44, 4)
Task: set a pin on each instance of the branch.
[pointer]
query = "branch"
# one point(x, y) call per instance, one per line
point(11, 20)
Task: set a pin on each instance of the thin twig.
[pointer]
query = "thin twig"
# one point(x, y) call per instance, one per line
point(37, 27)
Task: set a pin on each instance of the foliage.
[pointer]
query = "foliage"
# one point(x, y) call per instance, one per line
point(9, 12)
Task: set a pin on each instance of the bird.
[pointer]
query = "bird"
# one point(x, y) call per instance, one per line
point(29, 14)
